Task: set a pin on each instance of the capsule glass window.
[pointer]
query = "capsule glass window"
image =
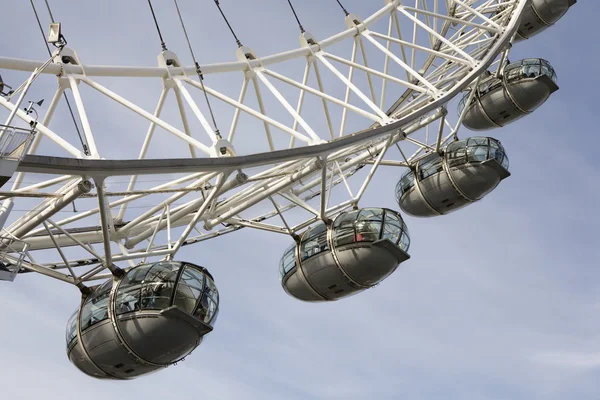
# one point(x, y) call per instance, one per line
point(475, 150)
point(344, 231)
point(130, 290)
point(429, 166)
point(406, 183)
point(95, 308)
point(208, 306)
point(288, 261)
point(456, 153)
point(529, 68)
point(159, 285)
point(71, 328)
point(189, 289)
point(314, 241)
point(369, 224)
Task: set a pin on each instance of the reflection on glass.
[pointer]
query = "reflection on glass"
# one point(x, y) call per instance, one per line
point(475, 149)
point(406, 183)
point(158, 285)
point(189, 289)
point(208, 306)
point(529, 68)
point(128, 296)
point(71, 328)
point(288, 261)
point(95, 308)
point(430, 165)
point(314, 241)
point(370, 225)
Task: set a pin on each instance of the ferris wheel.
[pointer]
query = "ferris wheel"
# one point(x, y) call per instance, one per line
point(286, 143)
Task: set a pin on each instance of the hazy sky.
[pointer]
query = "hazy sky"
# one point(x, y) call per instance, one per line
point(498, 302)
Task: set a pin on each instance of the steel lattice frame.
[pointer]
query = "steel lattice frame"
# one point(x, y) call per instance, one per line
point(451, 44)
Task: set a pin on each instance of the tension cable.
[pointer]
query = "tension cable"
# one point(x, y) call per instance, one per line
point(343, 9)
point(228, 24)
point(296, 16)
point(162, 42)
point(199, 72)
point(83, 143)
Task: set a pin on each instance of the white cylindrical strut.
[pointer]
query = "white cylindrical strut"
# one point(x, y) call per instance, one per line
point(5, 210)
point(183, 212)
point(82, 187)
point(312, 167)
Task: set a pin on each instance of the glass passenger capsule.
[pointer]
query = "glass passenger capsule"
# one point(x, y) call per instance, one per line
point(524, 86)
point(155, 316)
point(468, 170)
point(358, 250)
point(539, 15)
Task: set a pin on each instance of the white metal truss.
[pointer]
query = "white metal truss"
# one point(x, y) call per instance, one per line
point(407, 62)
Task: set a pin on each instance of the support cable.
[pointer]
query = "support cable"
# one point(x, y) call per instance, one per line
point(49, 11)
point(296, 16)
point(343, 9)
point(228, 24)
point(86, 151)
point(162, 42)
point(199, 72)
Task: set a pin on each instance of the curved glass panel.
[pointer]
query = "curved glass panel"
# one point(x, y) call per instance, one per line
point(288, 261)
point(158, 286)
point(395, 228)
point(71, 328)
point(208, 307)
point(475, 150)
point(314, 241)
point(429, 166)
point(130, 290)
point(463, 102)
point(405, 184)
point(456, 153)
point(529, 68)
point(189, 289)
point(370, 225)
point(344, 231)
point(95, 308)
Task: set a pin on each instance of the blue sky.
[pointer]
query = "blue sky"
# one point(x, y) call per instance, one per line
point(499, 300)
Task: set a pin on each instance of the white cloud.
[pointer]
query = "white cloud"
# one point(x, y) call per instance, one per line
point(568, 359)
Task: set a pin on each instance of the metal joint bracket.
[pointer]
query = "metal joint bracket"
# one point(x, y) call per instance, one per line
point(352, 21)
point(167, 59)
point(308, 40)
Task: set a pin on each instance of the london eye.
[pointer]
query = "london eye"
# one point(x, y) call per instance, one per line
point(119, 191)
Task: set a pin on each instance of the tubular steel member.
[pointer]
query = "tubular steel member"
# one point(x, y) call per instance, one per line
point(50, 207)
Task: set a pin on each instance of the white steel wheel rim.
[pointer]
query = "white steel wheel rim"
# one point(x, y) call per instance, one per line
point(311, 162)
